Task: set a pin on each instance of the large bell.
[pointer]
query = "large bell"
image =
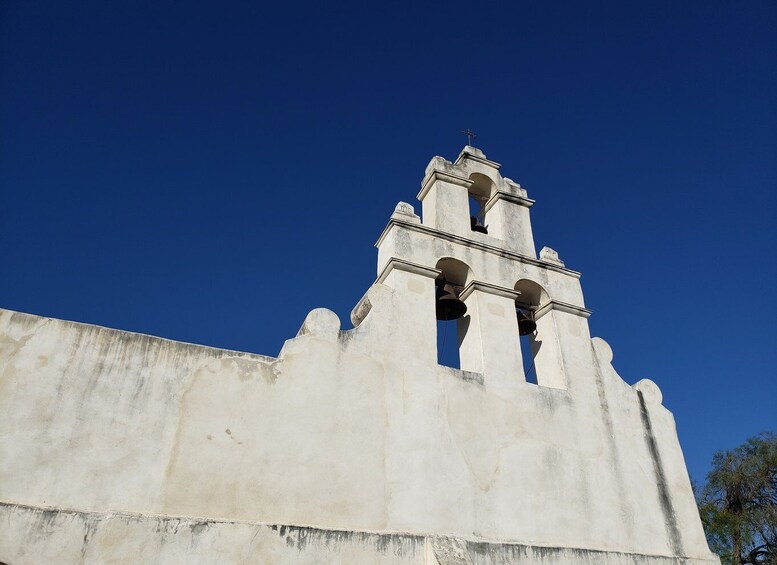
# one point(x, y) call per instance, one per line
point(526, 325)
point(475, 225)
point(448, 305)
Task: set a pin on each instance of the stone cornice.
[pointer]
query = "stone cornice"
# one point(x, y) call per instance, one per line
point(407, 266)
point(494, 250)
point(561, 307)
point(436, 175)
point(488, 288)
point(509, 197)
point(470, 156)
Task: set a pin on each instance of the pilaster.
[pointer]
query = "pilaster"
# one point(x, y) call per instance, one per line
point(413, 308)
point(444, 198)
point(508, 220)
point(489, 341)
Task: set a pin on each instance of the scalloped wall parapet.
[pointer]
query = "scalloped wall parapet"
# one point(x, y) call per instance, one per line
point(353, 430)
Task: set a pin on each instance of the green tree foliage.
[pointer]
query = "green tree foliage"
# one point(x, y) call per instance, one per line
point(738, 505)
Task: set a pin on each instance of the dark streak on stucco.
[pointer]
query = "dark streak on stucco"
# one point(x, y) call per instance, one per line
point(624, 509)
point(504, 553)
point(408, 547)
point(89, 529)
point(664, 498)
point(301, 536)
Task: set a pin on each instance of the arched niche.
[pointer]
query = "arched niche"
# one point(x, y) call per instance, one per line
point(455, 271)
point(540, 351)
point(533, 295)
point(451, 333)
point(480, 191)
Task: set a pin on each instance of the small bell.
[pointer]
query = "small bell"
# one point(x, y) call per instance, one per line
point(526, 324)
point(448, 305)
point(475, 225)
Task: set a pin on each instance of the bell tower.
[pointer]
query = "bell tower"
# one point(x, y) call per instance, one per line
point(482, 269)
point(445, 191)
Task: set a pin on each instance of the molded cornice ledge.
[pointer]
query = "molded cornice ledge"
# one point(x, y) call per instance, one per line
point(420, 228)
point(407, 266)
point(437, 174)
point(473, 154)
point(489, 288)
point(509, 197)
point(561, 307)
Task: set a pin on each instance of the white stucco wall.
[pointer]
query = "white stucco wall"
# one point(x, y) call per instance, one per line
point(346, 430)
point(32, 536)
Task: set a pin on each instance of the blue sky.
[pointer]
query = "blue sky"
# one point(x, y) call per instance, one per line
point(210, 172)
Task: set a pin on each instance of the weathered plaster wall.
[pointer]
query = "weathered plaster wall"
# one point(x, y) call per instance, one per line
point(32, 536)
point(106, 435)
point(334, 435)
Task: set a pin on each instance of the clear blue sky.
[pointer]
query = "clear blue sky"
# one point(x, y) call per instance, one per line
point(210, 172)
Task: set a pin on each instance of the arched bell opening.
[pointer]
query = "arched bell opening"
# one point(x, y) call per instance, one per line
point(532, 297)
point(451, 312)
point(479, 193)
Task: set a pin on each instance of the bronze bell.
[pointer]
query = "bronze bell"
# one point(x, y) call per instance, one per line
point(448, 305)
point(475, 225)
point(526, 323)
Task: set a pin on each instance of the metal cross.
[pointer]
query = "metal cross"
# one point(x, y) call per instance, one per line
point(470, 135)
